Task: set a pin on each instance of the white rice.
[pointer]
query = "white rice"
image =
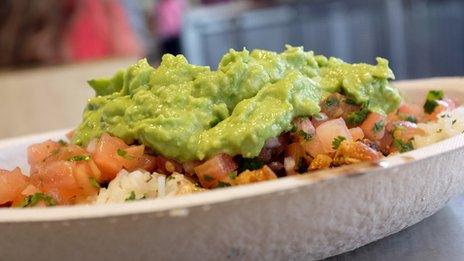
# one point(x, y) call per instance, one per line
point(141, 184)
point(449, 124)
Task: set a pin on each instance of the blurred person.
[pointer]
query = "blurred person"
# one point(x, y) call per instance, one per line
point(168, 15)
point(99, 28)
point(52, 31)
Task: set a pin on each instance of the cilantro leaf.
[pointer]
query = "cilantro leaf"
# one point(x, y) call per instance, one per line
point(32, 200)
point(94, 183)
point(431, 100)
point(122, 152)
point(131, 196)
point(357, 117)
point(79, 158)
point(378, 126)
point(223, 184)
point(411, 118)
point(337, 141)
point(233, 175)
point(402, 146)
point(208, 178)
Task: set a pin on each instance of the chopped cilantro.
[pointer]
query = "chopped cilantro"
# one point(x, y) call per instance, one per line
point(378, 126)
point(223, 184)
point(62, 142)
point(208, 178)
point(250, 164)
point(170, 177)
point(79, 158)
point(94, 183)
point(32, 200)
point(402, 146)
point(357, 117)
point(337, 141)
point(233, 175)
point(431, 100)
point(304, 135)
point(350, 101)
point(411, 118)
point(122, 152)
point(131, 196)
point(294, 128)
point(331, 101)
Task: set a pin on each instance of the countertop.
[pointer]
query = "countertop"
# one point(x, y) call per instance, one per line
point(439, 237)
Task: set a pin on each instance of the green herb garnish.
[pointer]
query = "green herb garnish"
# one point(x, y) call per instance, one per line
point(250, 164)
point(223, 184)
point(122, 153)
point(411, 118)
point(337, 141)
point(79, 158)
point(402, 146)
point(304, 135)
point(378, 126)
point(170, 177)
point(233, 175)
point(208, 178)
point(62, 142)
point(131, 196)
point(350, 101)
point(331, 101)
point(32, 200)
point(94, 183)
point(357, 117)
point(431, 101)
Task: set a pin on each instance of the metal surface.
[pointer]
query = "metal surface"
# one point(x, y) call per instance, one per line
point(439, 237)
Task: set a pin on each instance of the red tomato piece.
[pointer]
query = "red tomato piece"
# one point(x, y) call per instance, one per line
point(215, 170)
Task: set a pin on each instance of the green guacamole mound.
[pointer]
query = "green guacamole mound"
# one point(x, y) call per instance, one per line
point(188, 112)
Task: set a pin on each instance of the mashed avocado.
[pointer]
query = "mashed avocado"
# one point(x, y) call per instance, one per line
point(189, 112)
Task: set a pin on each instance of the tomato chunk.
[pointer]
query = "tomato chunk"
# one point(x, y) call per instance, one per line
point(12, 183)
point(215, 170)
point(111, 155)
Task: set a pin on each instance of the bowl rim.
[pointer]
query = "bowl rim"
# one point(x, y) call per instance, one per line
point(179, 205)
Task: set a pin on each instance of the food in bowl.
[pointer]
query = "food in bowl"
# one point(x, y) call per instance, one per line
point(181, 128)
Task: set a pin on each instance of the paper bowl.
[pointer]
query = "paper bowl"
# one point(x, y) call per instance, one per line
point(301, 217)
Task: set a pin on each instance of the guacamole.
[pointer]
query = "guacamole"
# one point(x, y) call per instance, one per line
point(188, 112)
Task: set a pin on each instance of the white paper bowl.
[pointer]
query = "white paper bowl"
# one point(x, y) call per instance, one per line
point(301, 217)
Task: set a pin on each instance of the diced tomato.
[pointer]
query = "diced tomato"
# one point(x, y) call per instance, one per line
point(147, 162)
point(189, 166)
point(304, 129)
point(405, 130)
point(443, 105)
point(374, 126)
point(294, 156)
point(12, 183)
point(167, 166)
point(111, 155)
point(328, 131)
point(411, 110)
point(313, 147)
point(67, 182)
point(29, 190)
point(215, 170)
point(357, 133)
point(37, 153)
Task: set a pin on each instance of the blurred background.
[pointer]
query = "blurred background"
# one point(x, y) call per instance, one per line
point(49, 48)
